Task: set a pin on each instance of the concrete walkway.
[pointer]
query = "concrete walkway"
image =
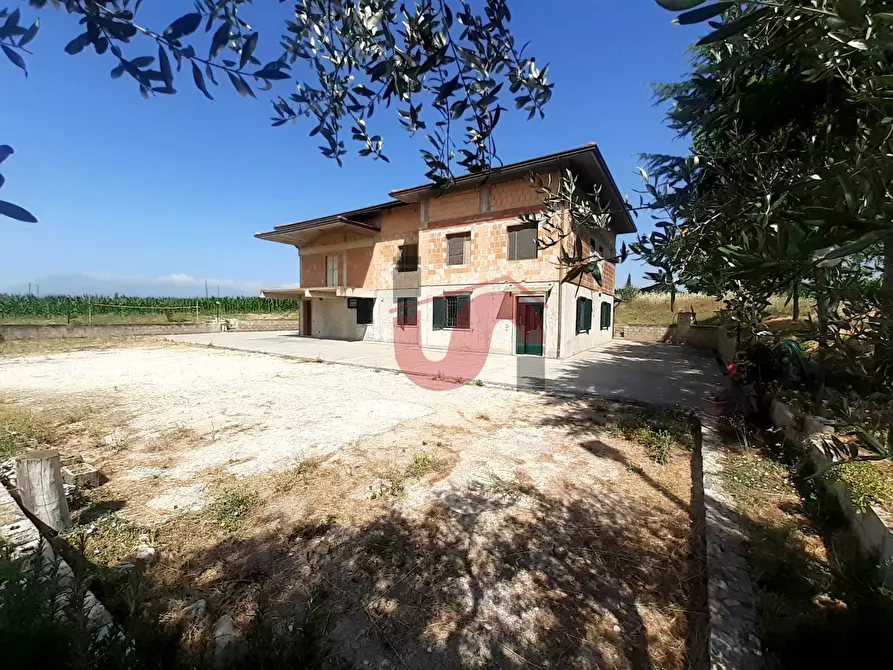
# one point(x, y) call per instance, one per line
point(655, 373)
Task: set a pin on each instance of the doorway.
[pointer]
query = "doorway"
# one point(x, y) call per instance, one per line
point(530, 331)
point(306, 318)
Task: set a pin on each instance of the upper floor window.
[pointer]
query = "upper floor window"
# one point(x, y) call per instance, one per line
point(457, 248)
point(522, 242)
point(331, 271)
point(409, 258)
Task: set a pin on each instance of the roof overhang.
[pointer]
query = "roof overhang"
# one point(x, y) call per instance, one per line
point(586, 162)
point(318, 292)
point(305, 233)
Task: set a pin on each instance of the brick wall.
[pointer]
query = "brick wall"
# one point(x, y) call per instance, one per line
point(359, 262)
point(511, 194)
point(399, 226)
point(313, 270)
point(454, 206)
point(486, 259)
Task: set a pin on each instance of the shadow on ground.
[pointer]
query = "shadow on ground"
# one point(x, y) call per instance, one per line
point(585, 580)
point(657, 373)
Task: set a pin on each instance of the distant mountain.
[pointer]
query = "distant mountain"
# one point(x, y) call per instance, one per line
point(173, 286)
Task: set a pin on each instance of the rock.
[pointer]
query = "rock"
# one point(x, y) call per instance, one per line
point(225, 634)
point(196, 610)
point(82, 475)
point(146, 554)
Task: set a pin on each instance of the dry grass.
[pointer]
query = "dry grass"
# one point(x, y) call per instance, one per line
point(654, 308)
point(16, 348)
point(819, 601)
point(61, 424)
point(576, 551)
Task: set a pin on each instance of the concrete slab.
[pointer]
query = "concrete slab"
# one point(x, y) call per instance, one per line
point(645, 372)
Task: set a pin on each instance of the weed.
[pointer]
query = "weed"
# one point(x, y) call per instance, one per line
point(483, 416)
point(110, 539)
point(392, 482)
point(507, 488)
point(231, 509)
point(478, 382)
point(751, 481)
point(658, 446)
point(867, 484)
point(22, 428)
point(634, 469)
point(295, 476)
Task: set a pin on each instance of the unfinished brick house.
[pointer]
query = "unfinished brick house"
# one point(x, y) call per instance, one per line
point(457, 269)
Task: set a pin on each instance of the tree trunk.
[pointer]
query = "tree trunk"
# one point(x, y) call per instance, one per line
point(795, 300)
point(39, 481)
point(822, 318)
point(882, 350)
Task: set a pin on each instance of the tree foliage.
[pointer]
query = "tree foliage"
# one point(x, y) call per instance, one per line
point(789, 111)
point(439, 62)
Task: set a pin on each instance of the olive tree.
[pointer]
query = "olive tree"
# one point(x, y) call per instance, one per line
point(439, 62)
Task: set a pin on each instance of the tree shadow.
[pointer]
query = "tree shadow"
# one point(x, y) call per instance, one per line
point(578, 579)
point(656, 373)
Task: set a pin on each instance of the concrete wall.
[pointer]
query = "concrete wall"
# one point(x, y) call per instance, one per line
point(571, 341)
point(53, 332)
point(331, 318)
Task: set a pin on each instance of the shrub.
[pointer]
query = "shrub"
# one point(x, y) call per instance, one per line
point(867, 484)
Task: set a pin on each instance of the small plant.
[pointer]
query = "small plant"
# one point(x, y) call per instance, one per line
point(478, 382)
point(110, 539)
point(752, 480)
point(483, 416)
point(658, 446)
point(231, 509)
point(507, 488)
point(393, 482)
point(295, 476)
point(867, 484)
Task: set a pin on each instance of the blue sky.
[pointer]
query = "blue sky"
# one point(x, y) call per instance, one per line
point(177, 185)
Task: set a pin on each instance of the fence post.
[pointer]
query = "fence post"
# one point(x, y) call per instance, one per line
point(89, 313)
point(39, 481)
point(196, 311)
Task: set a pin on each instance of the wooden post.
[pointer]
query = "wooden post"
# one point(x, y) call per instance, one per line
point(39, 481)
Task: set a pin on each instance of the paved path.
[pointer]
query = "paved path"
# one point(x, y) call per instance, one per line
point(655, 373)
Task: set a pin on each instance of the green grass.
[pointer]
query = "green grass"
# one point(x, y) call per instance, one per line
point(230, 510)
point(22, 428)
point(658, 432)
point(754, 480)
point(393, 481)
point(868, 484)
point(295, 476)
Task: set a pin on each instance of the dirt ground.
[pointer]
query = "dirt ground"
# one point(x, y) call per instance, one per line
point(470, 528)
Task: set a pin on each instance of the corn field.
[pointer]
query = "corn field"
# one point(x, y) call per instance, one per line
point(106, 309)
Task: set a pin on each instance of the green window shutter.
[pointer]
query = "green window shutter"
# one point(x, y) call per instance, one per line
point(439, 313)
point(463, 311)
point(580, 308)
point(587, 322)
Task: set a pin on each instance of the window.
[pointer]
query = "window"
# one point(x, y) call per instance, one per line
point(407, 312)
point(522, 242)
point(331, 271)
point(457, 248)
point(606, 315)
point(584, 315)
point(452, 311)
point(409, 258)
point(364, 311)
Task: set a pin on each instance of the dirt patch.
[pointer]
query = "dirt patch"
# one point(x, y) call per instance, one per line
point(465, 528)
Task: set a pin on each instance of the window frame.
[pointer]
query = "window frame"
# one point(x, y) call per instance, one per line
point(466, 243)
point(330, 269)
point(511, 234)
point(403, 311)
point(402, 265)
point(606, 314)
point(583, 322)
point(462, 308)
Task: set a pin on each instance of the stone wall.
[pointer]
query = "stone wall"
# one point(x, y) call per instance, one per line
point(713, 338)
point(56, 332)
